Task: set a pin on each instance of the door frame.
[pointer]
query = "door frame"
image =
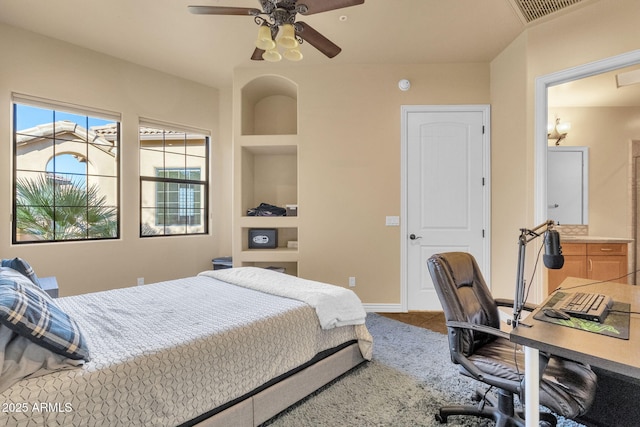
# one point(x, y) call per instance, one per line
point(541, 108)
point(485, 109)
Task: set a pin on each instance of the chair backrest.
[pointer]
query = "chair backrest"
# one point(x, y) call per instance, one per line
point(464, 297)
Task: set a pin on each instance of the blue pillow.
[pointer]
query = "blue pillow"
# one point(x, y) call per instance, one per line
point(22, 267)
point(31, 313)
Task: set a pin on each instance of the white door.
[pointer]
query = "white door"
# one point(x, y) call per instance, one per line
point(568, 184)
point(446, 191)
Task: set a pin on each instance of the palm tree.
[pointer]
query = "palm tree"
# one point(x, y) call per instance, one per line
point(50, 210)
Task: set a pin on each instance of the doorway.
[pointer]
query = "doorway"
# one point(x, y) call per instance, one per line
point(635, 215)
point(445, 180)
point(542, 83)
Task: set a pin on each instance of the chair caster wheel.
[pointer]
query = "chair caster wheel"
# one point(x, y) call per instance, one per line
point(548, 420)
point(441, 419)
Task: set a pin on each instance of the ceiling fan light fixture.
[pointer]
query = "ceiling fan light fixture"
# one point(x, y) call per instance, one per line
point(264, 40)
point(288, 38)
point(293, 54)
point(271, 55)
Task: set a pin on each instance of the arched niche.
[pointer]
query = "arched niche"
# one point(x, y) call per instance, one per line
point(270, 106)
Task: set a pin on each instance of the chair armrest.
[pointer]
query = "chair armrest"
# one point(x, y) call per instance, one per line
point(503, 302)
point(480, 328)
point(49, 285)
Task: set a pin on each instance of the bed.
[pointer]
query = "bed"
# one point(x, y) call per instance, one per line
point(225, 347)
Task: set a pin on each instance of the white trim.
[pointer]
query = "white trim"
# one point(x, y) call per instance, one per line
point(485, 109)
point(384, 308)
point(67, 107)
point(159, 124)
point(541, 108)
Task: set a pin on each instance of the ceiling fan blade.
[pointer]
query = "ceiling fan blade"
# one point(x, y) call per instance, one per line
point(317, 6)
point(222, 10)
point(257, 55)
point(317, 40)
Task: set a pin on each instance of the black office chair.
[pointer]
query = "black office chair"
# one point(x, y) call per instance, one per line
point(485, 353)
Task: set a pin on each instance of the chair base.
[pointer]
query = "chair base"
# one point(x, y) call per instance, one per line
point(500, 409)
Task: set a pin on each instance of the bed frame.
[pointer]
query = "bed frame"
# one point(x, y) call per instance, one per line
point(265, 403)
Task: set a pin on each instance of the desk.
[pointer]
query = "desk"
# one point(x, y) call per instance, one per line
point(612, 354)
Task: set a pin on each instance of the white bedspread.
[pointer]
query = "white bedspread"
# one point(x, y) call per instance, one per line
point(335, 306)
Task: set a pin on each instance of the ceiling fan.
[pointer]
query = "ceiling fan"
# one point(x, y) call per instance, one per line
point(279, 15)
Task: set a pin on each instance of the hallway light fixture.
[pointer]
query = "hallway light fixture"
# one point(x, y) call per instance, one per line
point(558, 131)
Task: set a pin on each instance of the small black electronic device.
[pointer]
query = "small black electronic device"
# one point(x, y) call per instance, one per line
point(556, 314)
point(263, 238)
point(552, 257)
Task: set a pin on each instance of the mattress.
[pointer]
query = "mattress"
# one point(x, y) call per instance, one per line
point(165, 353)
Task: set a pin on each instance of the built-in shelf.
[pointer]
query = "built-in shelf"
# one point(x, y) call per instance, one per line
point(269, 144)
point(269, 106)
point(272, 256)
point(268, 221)
point(266, 169)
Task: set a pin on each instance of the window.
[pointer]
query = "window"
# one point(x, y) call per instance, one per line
point(173, 181)
point(178, 203)
point(66, 184)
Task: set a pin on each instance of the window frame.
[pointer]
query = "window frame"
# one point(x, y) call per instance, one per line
point(204, 182)
point(90, 114)
point(189, 183)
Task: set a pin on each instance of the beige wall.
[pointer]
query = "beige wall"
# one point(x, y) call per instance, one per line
point(599, 30)
point(58, 71)
point(349, 152)
point(349, 163)
point(511, 184)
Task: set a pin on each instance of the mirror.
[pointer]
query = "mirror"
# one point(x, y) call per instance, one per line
point(604, 119)
point(587, 97)
point(568, 185)
point(600, 122)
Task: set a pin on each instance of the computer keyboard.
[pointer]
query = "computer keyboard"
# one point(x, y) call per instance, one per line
point(585, 305)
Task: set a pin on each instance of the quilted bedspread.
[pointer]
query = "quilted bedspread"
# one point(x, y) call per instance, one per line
point(165, 353)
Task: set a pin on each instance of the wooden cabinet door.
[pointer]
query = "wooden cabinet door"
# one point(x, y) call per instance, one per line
point(574, 266)
point(597, 261)
point(612, 268)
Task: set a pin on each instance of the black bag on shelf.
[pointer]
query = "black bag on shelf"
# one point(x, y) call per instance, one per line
point(266, 209)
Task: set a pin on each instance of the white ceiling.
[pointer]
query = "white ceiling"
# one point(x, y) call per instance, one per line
point(163, 35)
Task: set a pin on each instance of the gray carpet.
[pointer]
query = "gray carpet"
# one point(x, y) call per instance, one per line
point(410, 377)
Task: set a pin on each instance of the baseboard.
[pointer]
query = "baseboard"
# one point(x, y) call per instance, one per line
point(383, 308)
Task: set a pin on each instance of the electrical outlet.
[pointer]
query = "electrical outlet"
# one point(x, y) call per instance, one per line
point(352, 282)
point(140, 281)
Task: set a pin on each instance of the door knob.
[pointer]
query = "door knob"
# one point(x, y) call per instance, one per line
point(414, 237)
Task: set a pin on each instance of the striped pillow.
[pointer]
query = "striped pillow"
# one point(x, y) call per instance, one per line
point(31, 313)
point(22, 267)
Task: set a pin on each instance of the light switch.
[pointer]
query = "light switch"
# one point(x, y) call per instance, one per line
point(392, 221)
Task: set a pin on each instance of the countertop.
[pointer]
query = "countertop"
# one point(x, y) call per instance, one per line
point(593, 239)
